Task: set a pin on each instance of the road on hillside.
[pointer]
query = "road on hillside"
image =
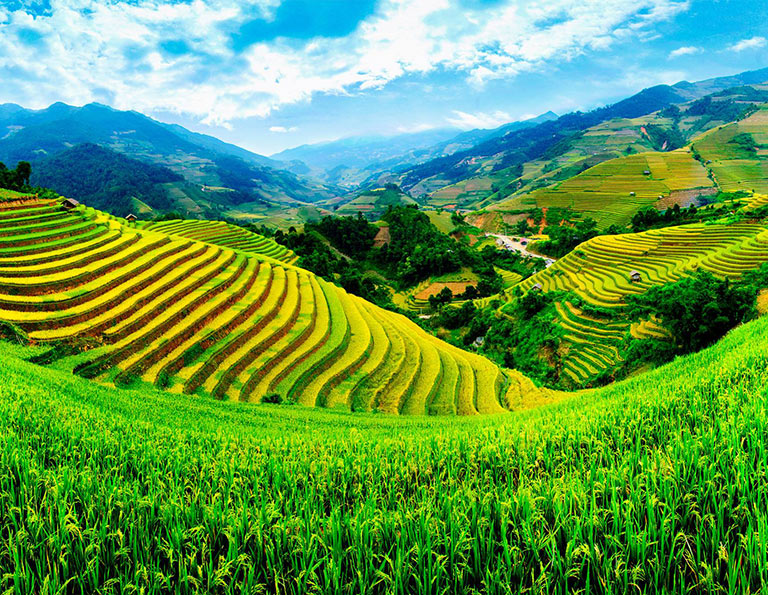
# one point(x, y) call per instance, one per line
point(516, 245)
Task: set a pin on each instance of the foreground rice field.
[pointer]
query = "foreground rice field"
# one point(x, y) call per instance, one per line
point(657, 484)
point(201, 307)
point(598, 274)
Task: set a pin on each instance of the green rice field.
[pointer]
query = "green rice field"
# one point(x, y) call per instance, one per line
point(656, 484)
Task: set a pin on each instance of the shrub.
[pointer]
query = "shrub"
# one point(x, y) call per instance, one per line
point(273, 399)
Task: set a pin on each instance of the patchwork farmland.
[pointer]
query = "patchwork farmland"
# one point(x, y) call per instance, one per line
point(200, 307)
point(734, 167)
point(614, 190)
point(597, 277)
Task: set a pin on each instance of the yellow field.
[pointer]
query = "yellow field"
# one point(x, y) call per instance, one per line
point(209, 308)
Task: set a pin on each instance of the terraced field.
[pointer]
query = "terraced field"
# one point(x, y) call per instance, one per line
point(195, 307)
point(733, 168)
point(226, 235)
point(598, 272)
point(614, 190)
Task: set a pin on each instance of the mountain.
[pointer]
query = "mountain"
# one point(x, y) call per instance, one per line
point(355, 160)
point(216, 177)
point(495, 162)
point(362, 151)
point(107, 180)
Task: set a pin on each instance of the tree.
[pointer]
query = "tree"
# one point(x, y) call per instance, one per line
point(522, 228)
point(698, 309)
point(444, 297)
point(23, 172)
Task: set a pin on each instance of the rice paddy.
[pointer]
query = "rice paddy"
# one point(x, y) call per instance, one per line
point(614, 190)
point(732, 168)
point(208, 308)
point(653, 485)
point(599, 274)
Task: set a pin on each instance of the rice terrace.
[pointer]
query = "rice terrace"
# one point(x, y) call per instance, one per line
point(383, 297)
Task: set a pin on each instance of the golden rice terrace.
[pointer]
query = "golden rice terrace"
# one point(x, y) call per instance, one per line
point(208, 308)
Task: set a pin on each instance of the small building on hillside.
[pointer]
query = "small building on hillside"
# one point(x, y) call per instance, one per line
point(536, 287)
point(130, 217)
point(635, 276)
point(647, 172)
point(632, 193)
point(70, 203)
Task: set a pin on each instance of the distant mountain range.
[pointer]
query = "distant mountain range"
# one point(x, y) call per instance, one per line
point(97, 152)
point(354, 160)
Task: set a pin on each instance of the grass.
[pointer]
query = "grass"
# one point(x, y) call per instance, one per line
point(656, 484)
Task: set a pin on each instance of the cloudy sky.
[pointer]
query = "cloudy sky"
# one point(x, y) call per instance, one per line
point(270, 74)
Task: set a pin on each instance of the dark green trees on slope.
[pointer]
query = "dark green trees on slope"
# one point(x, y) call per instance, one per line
point(105, 179)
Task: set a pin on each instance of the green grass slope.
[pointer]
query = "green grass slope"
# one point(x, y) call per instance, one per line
point(201, 307)
point(656, 484)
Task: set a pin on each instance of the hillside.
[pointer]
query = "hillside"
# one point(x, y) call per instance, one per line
point(737, 154)
point(372, 203)
point(107, 180)
point(207, 308)
point(652, 485)
point(233, 180)
point(589, 288)
point(616, 168)
point(495, 168)
point(613, 191)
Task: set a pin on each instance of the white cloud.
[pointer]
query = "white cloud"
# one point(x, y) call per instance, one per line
point(468, 121)
point(686, 50)
point(283, 129)
point(112, 51)
point(415, 128)
point(748, 44)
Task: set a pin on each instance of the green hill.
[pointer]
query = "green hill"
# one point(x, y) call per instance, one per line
point(613, 191)
point(106, 179)
point(652, 485)
point(510, 183)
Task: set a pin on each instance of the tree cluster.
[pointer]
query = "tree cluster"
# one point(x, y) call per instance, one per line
point(15, 179)
point(698, 310)
point(564, 238)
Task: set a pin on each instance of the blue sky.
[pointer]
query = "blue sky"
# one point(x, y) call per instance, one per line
point(270, 74)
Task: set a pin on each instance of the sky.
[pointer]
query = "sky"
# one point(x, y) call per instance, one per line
point(272, 74)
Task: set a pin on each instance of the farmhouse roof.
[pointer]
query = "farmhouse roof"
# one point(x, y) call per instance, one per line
point(70, 202)
point(130, 217)
point(536, 287)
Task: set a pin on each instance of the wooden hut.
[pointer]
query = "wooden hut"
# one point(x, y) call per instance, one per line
point(70, 203)
point(130, 217)
point(635, 276)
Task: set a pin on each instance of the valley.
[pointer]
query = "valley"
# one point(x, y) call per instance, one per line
point(444, 339)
